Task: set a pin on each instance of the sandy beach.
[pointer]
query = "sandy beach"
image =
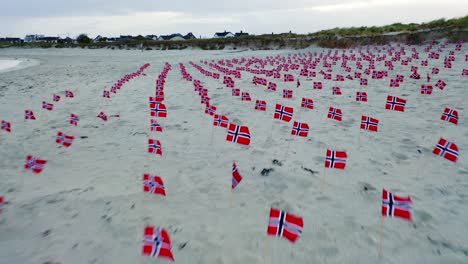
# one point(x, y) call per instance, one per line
point(87, 206)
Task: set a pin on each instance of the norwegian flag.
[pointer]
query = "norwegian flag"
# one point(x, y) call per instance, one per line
point(34, 164)
point(63, 139)
point(307, 103)
point(47, 106)
point(272, 86)
point(440, 84)
point(318, 85)
point(335, 113)
point(210, 109)
point(103, 116)
point(153, 184)
point(450, 116)
point(447, 150)
point(369, 123)
point(220, 121)
point(415, 76)
point(394, 83)
point(336, 90)
point(236, 177)
point(74, 119)
point(157, 243)
point(235, 92)
point(56, 98)
point(284, 224)
point(414, 68)
point(155, 126)
point(336, 159)
point(29, 115)
point(400, 78)
point(465, 72)
point(246, 96)
point(395, 103)
point(396, 206)
point(205, 100)
point(154, 147)
point(238, 134)
point(298, 83)
point(426, 89)
point(2, 202)
point(105, 94)
point(6, 126)
point(284, 113)
point(260, 105)
point(363, 82)
point(435, 71)
point(361, 97)
point(287, 94)
point(69, 94)
point(288, 78)
point(158, 110)
point(300, 129)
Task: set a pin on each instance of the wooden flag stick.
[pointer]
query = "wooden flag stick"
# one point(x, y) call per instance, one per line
point(212, 132)
point(359, 138)
point(381, 237)
point(322, 182)
point(265, 250)
point(231, 199)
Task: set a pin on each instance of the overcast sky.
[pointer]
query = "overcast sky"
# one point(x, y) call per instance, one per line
point(205, 17)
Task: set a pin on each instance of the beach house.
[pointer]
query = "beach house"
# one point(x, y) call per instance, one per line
point(224, 34)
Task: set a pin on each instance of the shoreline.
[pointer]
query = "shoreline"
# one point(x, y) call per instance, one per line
point(13, 64)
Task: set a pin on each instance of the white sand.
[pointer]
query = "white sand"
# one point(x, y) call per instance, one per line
point(88, 206)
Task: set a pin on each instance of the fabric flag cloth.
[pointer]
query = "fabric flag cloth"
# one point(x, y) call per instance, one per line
point(246, 96)
point(158, 110)
point(74, 119)
point(335, 113)
point(155, 126)
point(236, 177)
point(446, 149)
point(450, 115)
point(157, 243)
point(288, 78)
point(284, 224)
point(284, 113)
point(69, 94)
point(34, 164)
point(6, 126)
point(63, 139)
point(318, 85)
point(238, 134)
point(154, 147)
point(369, 123)
point(336, 159)
point(395, 103)
point(426, 89)
point(2, 202)
point(210, 109)
point(272, 86)
point(396, 206)
point(47, 106)
point(287, 93)
point(153, 184)
point(235, 92)
point(29, 115)
point(300, 129)
point(394, 83)
point(220, 121)
point(336, 90)
point(361, 97)
point(440, 84)
point(298, 83)
point(56, 98)
point(103, 116)
point(307, 103)
point(260, 105)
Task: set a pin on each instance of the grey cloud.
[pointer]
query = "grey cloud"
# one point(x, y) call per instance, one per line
point(46, 8)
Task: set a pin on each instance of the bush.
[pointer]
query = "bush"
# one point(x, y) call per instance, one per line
point(83, 39)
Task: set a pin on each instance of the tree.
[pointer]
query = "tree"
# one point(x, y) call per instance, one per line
point(83, 38)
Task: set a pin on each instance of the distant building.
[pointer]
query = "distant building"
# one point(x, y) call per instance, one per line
point(11, 40)
point(171, 37)
point(152, 37)
point(189, 36)
point(32, 38)
point(223, 35)
point(241, 34)
point(48, 39)
point(98, 38)
point(125, 38)
point(66, 40)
